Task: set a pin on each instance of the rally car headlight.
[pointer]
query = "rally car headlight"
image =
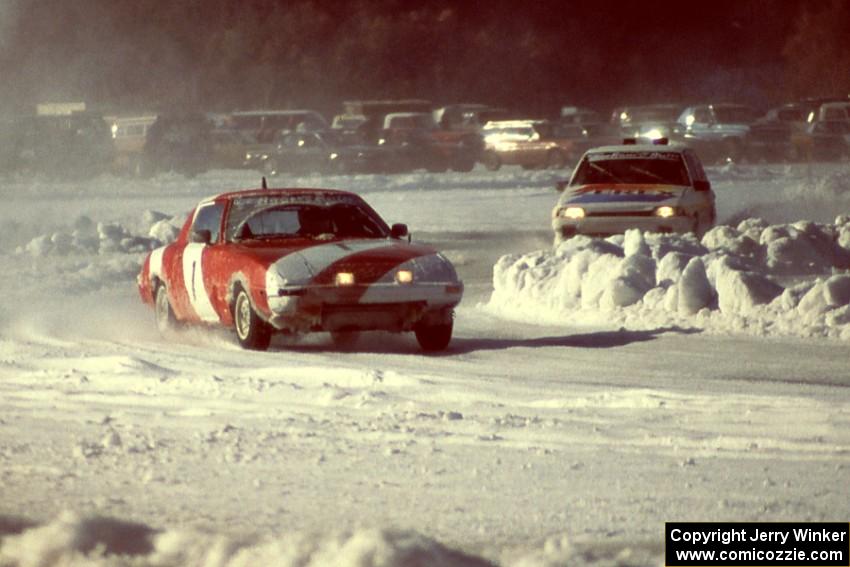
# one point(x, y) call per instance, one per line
point(653, 134)
point(344, 278)
point(574, 213)
point(666, 212)
point(404, 276)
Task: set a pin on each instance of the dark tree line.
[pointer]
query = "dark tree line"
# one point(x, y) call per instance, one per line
point(537, 56)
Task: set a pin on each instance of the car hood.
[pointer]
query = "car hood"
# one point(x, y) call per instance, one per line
point(620, 197)
point(315, 262)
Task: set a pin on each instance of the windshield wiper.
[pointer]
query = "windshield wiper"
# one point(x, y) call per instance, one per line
point(650, 174)
point(605, 171)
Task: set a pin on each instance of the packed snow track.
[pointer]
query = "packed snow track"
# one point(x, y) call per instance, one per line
point(553, 431)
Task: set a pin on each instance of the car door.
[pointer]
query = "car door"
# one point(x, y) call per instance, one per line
point(199, 272)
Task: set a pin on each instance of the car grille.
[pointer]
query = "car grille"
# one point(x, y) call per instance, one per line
point(620, 213)
point(371, 316)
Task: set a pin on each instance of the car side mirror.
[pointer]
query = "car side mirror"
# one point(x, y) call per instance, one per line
point(200, 236)
point(399, 231)
point(561, 185)
point(702, 185)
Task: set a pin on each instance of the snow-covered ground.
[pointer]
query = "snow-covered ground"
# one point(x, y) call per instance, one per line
point(591, 392)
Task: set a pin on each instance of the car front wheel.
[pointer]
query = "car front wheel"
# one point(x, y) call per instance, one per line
point(434, 337)
point(251, 331)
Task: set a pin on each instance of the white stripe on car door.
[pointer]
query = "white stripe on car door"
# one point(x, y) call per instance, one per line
point(193, 278)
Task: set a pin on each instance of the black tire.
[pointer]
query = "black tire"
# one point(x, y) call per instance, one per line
point(345, 339)
point(556, 159)
point(166, 321)
point(251, 331)
point(491, 160)
point(463, 165)
point(434, 337)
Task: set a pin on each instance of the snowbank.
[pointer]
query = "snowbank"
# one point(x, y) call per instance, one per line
point(87, 237)
point(789, 279)
point(72, 540)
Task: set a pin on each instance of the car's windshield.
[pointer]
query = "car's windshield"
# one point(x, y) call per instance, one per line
point(271, 218)
point(632, 168)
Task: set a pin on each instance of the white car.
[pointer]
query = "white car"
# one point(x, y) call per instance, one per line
point(655, 188)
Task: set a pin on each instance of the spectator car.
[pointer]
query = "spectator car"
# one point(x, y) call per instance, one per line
point(824, 140)
point(655, 188)
point(59, 140)
point(648, 122)
point(531, 144)
point(268, 261)
point(180, 142)
point(717, 131)
point(428, 146)
point(772, 137)
point(129, 134)
point(325, 152)
point(263, 125)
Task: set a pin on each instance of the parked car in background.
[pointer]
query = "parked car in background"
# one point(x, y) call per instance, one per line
point(327, 152)
point(772, 137)
point(823, 140)
point(229, 147)
point(263, 125)
point(371, 113)
point(468, 117)
point(532, 144)
point(61, 140)
point(648, 122)
point(655, 188)
point(427, 146)
point(717, 132)
point(129, 134)
point(298, 261)
point(179, 142)
point(831, 111)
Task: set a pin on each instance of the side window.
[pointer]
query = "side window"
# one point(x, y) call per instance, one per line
point(702, 115)
point(694, 166)
point(208, 218)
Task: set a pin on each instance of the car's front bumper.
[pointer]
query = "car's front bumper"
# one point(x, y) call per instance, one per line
point(602, 225)
point(386, 307)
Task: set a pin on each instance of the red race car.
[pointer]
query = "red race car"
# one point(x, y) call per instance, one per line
point(297, 261)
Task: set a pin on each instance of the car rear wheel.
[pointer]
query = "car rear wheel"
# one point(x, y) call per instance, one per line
point(166, 321)
point(434, 337)
point(251, 331)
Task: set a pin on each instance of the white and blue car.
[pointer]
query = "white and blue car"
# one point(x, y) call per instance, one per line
point(652, 187)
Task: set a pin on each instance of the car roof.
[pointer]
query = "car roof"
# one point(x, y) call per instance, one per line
point(272, 112)
point(279, 192)
point(633, 148)
point(494, 124)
